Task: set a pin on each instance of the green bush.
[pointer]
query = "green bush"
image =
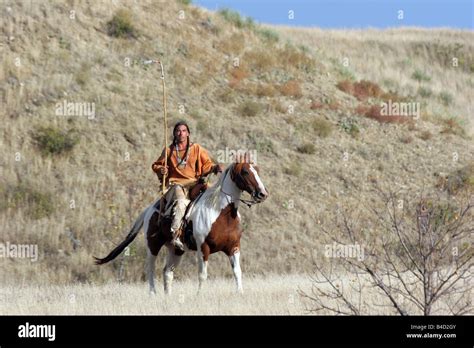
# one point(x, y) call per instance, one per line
point(232, 17)
point(121, 25)
point(441, 213)
point(307, 148)
point(322, 127)
point(345, 73)
point(64, 44)
point(420, 76)
point(185, 2)
point(425, 92)
point(265, 145)
point(268, 34)
point(293, 169)
point(250, 109)
point(446, 98)
point(52, 141)
point(236, 19)
point(249, 23)
point(305, 49)
point(261, 144)
point(349, 126)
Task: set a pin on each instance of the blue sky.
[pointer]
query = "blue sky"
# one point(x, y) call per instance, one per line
point(353, 13)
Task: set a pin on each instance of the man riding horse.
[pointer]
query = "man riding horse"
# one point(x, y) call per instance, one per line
point(186, 163)
point(214, 220)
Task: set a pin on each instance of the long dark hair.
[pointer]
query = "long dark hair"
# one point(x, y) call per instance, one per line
point(175, 141)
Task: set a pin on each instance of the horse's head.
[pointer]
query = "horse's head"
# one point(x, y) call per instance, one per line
point(245, 175)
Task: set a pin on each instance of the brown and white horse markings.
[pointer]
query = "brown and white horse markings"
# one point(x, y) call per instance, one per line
point(215, 222)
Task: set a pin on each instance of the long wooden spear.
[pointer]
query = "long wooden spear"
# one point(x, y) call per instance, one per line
point(163, 185)
point(165, 120)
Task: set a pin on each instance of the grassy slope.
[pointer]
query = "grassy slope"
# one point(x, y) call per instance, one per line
point(108, 172)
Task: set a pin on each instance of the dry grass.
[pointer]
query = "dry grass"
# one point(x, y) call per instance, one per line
point(322, 127)
point(291, 56)
point(233, 44)
point(250, 109)
point(265, 90)
point(425, 135)
point(406, 139)
point(39, 203)
point(315, 105)
point(330, 104)
point(390, 57)
point(237, 76)
point(291, 89)
point(452, 126)
point(270, 295)
point(364, 90)
point(307, 148)
point(293, 169)
point(260, 59)
point(239, 73)
point(361, 90)
point(374, 112)
point(262, 296)
point(459, 180)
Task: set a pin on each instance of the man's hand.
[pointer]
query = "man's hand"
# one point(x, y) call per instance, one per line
point(218, 168)
point(164, 171)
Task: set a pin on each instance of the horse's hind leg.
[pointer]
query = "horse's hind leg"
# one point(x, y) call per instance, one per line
point(153, 242)
point(235, 263)
point(172, 262)
point(150, 270)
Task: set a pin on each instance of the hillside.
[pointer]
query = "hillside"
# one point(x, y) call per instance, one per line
point(74, 184)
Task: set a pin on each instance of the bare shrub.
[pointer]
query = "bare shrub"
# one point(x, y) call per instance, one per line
point(418, 256)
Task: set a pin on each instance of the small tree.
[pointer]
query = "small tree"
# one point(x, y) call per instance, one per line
point(420, 255)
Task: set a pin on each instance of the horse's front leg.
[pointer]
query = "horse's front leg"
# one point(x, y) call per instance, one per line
point(235, 263)
point(172, 262)
point(203, 256)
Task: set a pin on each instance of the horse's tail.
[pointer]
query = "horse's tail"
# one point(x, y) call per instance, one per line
point(130, 237)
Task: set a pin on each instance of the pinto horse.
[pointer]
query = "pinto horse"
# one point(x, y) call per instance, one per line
point(213, 224)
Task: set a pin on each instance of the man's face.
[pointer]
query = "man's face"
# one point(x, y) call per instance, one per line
point(181, 133)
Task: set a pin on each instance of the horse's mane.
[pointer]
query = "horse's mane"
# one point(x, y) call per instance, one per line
point(211, 195)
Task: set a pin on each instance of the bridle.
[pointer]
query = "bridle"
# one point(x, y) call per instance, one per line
point(247, 202)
